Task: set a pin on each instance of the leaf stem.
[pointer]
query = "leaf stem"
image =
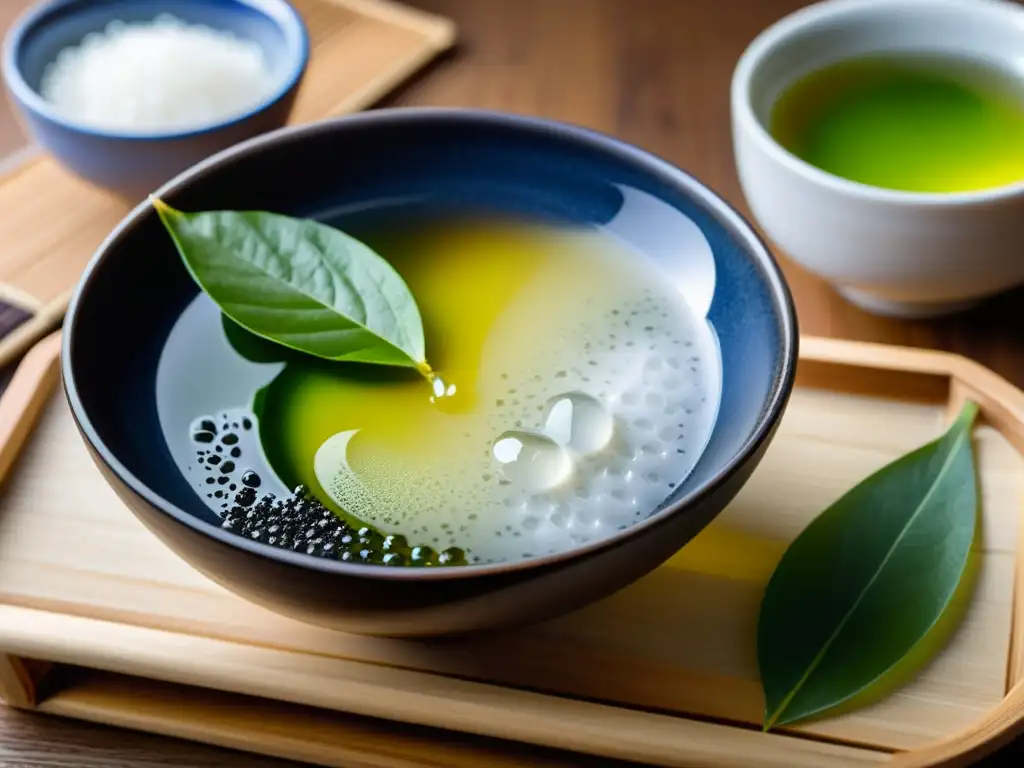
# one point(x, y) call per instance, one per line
point(159, 205)
point(426, 371)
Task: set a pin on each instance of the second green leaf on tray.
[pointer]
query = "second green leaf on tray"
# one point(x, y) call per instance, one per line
point(868, 578)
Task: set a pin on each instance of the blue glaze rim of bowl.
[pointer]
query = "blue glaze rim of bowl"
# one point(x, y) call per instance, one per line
point(724, 214)
point(35, 102)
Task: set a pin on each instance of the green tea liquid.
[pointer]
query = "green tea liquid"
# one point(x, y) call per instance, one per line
point(911, 123)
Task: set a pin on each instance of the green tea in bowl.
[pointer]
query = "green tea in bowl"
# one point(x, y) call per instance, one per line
point(570, 390)
point(905, 121)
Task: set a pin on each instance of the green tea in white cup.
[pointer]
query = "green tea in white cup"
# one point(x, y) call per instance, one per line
point(880, 145)
point(915, 122)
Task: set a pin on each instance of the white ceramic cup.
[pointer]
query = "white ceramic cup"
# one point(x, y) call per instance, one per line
point(890, 252)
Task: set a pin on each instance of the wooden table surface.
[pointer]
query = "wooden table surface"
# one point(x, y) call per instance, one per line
point(653, 72)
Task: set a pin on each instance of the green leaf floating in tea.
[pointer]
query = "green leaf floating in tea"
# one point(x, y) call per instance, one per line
point(302, 284)
point(868, 578)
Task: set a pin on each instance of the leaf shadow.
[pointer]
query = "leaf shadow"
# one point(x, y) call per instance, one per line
point(257, 349)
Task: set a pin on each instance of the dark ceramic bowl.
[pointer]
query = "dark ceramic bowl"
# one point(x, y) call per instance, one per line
point(129, 164)
point(136, 286)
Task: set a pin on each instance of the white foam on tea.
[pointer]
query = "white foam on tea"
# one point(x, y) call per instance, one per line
point(619, 403)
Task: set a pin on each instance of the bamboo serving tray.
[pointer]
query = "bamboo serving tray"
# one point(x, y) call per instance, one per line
point(51, 222)
point(99, 621)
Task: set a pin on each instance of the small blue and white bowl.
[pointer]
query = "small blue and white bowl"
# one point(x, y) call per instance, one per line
point(133, 164)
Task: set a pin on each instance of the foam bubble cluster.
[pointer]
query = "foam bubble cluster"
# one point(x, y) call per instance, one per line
point(621, 406)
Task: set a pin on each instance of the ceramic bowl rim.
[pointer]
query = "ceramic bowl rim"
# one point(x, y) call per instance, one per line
point(779, 34)
point(723, 213)
point(285, 17)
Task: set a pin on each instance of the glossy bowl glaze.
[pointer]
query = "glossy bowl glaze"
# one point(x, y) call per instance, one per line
point(136, 286)
point(129, 164)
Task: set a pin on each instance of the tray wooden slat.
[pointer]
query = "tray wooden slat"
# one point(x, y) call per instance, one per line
point(85, 583)
point(413, 697)
point(17, 686)
point(315, 736)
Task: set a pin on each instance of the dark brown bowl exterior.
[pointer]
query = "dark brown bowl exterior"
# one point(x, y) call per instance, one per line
point(136, 287)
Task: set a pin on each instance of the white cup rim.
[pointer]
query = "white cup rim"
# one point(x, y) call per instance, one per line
point(786, 28)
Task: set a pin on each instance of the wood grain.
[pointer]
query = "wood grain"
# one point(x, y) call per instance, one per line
point(17, 687)
point(964, 749)
point(318, 737)
point(39, 741)
point(654, 72)
point(522, 716)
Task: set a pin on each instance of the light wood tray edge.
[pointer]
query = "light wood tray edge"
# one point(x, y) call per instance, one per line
point(20, 407)
point(1001, 405)
point(422, 699)
point(278, 729)
point(440, 29)
point(439, 33)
